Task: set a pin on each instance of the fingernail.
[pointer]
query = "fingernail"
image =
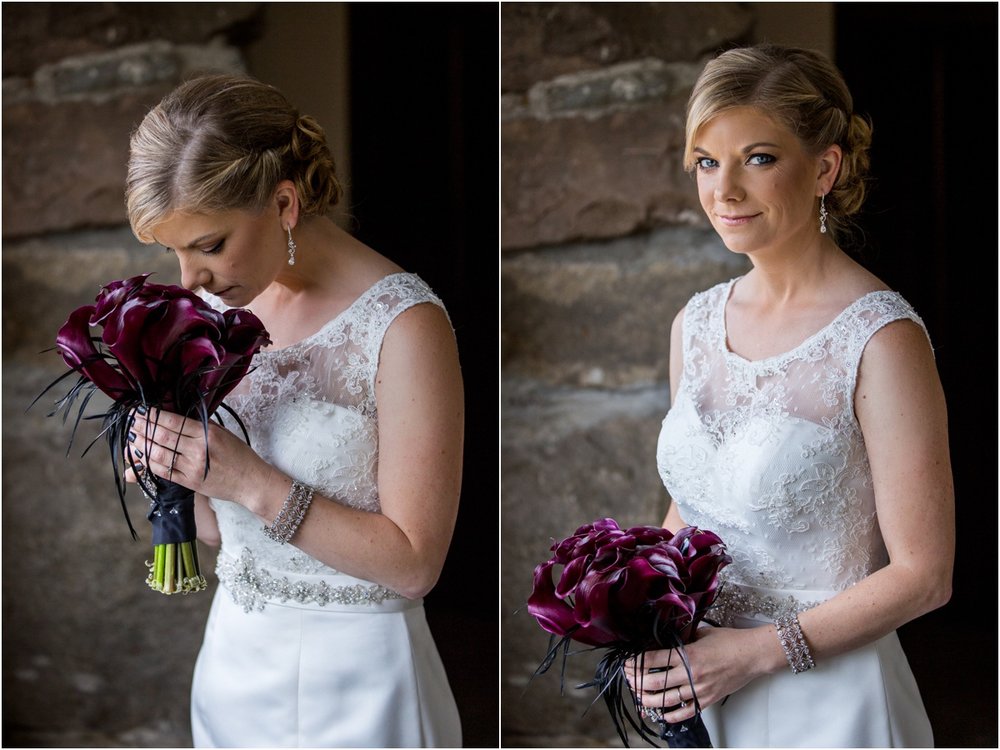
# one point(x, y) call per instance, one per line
point(141, 409)
point(138, 454)
point(139, 468)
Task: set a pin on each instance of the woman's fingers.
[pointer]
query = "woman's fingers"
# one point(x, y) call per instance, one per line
point(163, 427)
point(650, 670)
point(157, 448)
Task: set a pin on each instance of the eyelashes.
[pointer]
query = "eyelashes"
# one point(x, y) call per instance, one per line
point(217, 248)
point(755, 160)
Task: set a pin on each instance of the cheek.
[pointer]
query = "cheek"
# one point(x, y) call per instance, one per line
point(706, 192)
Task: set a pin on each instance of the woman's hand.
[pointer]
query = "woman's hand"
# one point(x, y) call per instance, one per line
point(722, 661)
point(176, 449)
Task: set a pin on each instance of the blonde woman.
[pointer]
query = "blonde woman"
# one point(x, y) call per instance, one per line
point(317, 635)
point(807, 428)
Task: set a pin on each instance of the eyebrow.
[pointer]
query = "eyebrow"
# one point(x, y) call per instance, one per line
point(193, 243)
point(746, 149)
point(199, 240)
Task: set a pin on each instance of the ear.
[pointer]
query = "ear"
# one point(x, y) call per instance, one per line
point(286, 198)
point(829, 169)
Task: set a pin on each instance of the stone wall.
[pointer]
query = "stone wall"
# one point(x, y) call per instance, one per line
point(603, 241)
point(92, 657)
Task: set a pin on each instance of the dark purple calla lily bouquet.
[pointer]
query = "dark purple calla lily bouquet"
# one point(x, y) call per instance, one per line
point(160, 347)
point(629, 591)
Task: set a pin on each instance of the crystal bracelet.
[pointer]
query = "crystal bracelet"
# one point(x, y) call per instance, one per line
point(291, 513)
point(794, 643)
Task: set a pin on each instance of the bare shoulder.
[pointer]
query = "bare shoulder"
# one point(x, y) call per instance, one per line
point(897, 369)
point(857, 281)
point(678, 322)
point(902, 341)
point(420, 334)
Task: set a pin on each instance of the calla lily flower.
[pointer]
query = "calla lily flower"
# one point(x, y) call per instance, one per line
point(628, 591)
point(157, 346)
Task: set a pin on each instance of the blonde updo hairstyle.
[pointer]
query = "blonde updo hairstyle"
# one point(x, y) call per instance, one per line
point(224, 142)
point(800, 90)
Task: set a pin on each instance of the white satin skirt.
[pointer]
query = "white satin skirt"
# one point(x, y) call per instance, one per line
point(864, 698)
point(336, 676)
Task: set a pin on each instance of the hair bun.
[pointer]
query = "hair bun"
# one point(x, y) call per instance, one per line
point(317, 183)
point(852, 184)
point(222, 142)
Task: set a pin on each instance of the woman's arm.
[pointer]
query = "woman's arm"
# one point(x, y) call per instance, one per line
point(900, 407)
point(205, 520)
point(673, 520)
point(419, 395)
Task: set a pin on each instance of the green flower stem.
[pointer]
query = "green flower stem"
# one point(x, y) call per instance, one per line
point(159, 557)
point(168, 573)
point(175, 569)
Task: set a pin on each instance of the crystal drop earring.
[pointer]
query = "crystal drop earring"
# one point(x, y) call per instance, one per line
point(822, 215)
point(292, 248)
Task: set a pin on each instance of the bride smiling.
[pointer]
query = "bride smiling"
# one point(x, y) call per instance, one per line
point(807, 428)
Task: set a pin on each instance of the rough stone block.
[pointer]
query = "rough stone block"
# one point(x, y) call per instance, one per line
point(65, 138)
point(100, 76)
point(45, 279)
point(543, 40)
point(599, 314)
point(568, 457)
point(90, 650)
point(38, 33)
point(595, 93)
point(64, 164)
point(137, 65)
point(86, 642)
point(571, 178)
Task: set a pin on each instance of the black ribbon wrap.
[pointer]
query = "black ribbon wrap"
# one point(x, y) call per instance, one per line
point(688, 733)
point(171, 513)
point(610, 683)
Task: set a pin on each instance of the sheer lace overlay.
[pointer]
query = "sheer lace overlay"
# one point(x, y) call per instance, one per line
point(769, 455)
point(310, 411)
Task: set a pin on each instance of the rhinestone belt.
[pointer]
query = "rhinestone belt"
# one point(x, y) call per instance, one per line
point(252, 587)
point(745, 601)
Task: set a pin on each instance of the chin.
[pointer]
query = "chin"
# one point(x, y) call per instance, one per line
point(738, 245)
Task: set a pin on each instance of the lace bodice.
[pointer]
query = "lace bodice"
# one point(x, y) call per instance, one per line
point(310, 411)
point(769, 453)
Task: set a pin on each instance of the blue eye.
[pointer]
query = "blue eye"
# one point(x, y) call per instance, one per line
point(706, 163)
point(760, 159)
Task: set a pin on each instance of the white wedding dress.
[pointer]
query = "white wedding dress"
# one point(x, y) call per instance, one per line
point(769, 455)
point(296, 654)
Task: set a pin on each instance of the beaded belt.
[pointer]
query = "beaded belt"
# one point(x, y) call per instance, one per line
point(738, 601)
point(252, 587)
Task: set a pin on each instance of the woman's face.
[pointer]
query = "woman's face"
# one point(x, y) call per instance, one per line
point(232, 254)
point(756, 183)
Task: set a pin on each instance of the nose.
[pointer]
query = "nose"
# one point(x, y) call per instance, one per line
point(727, 185)
point(193, 272)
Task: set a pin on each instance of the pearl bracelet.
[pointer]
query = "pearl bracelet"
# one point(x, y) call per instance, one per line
point(291, 513)
point(794, 643)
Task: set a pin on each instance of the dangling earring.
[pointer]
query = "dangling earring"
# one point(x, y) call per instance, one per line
point(292, 248)
point(822, 216)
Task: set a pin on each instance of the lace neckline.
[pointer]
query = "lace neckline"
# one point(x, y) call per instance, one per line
point(335, 320)
point(782, 357)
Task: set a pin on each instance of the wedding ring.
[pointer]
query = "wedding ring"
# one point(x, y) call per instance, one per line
point(653, 714)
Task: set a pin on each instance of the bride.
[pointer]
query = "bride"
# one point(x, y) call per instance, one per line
point(807, 428)
point(336, 519)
